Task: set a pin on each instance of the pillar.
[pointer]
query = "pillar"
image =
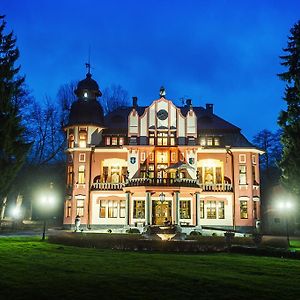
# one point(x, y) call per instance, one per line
point(127, 215)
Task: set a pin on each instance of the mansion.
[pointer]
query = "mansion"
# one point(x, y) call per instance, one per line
point(148, 165)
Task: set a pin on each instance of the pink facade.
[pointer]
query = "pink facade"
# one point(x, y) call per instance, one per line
point(140, 166)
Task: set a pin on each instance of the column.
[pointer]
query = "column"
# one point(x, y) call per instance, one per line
point(177, 207)
point(127, 208)
point(198, 209)
point(148, 208)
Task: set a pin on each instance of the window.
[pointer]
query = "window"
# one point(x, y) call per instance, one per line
point(85, 94)
point(202, 141)
point(81, 175)
point(122, 208)
point(221, 210)
point(185, 209)
point(162, 138)
point(255, 209)
point(173, 156)
point(253, 175)
point(80, 208)
point(151, 138)
point(244, 209)
point(242, 174)
point(143, 156)
point(151, 170)
point(114, 141)
point(172, 138)
point(82, 138)
point(70, 175)
point(139, 209)
point(151, 156)
point(253, 159)
point(103, 204)
point(242, 158)
point(68, 208)
point(107, 141)
point(217, 141)
point(121, 141)
point(71, 140)
point(112, 209)
point(82, 157)
point(105, 174)
point(218, 175)
point(211, 210)
point(201, 209)
point(208, 175)
point(209, 141)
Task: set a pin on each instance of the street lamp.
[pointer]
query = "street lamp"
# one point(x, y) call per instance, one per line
point(286, 206)
point(47, 202)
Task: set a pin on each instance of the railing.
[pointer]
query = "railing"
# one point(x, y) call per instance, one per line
point(216, 187)
point(106, 186)
point(186, 182)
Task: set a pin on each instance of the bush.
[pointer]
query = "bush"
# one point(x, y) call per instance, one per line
point(133, 230)
point(195, 233)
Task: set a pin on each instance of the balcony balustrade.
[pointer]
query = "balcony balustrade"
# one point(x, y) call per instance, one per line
point(216, 187)
point(186, 182)
point(107, 186)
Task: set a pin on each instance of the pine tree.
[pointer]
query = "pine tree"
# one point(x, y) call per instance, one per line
point(13, 148)
point(289, 119)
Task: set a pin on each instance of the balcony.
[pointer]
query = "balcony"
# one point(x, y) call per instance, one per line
point(107, 186)
point(216, 187)
point(184, 182)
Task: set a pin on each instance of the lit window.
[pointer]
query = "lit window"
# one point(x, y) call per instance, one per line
point(217, 141)
point(81, 175)
point(70, 175)
point(71, 141)
point(143, 156)
point(221, 210)
point(82, 138)
point(211, 210)
point(121, 141)
point(202, 141)
point(173, 156)
point(151, 138)
point(151, 156)
point(185, 209)
point(201, 209)
point(68, 208)
point(209, 141)
point(162, 138)
point(172, 138)
point(102, 208)
point(114, 141)
point(85, 95)
point(82, 157)
point(242, 174)
point(107, 141)
point(244, 209)
point(80, 208)
point(112, 209)
point(122, 209)
point(253, 159)
point(138, 209)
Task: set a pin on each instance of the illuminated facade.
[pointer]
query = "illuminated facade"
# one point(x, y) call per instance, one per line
point(142, 166)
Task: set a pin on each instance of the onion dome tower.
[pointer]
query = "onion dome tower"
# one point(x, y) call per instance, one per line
point(86, 110)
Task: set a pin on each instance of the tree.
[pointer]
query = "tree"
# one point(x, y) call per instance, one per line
point(13, 147)
point(270, 143)
point(289, 119)
point(114, 97)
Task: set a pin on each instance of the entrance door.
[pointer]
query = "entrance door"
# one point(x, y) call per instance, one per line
point(161, 212)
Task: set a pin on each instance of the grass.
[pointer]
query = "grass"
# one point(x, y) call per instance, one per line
point(31, 269)
point(295, 245)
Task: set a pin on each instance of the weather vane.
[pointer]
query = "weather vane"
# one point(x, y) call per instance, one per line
point(88, 64)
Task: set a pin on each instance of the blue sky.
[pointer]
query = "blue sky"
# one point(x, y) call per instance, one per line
point(221, 52)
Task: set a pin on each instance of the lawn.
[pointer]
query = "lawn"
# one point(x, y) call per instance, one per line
point(31, 269)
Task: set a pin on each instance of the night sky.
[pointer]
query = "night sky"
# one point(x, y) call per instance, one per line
point(221, 52)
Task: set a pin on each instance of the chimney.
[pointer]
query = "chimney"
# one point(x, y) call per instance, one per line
point(210, 108)
point(134, 102)
point(189, 102)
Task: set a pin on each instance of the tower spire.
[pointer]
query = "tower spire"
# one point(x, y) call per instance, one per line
point(88, 64)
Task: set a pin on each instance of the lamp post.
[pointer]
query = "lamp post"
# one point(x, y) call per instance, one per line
point(286, 206)
point(47, 202)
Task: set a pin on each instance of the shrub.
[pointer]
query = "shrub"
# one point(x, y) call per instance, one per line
point(109, 231)
point(195, 233)
point(133, 230)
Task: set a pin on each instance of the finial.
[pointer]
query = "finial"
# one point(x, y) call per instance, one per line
point(88, 64)
point(162, 92)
